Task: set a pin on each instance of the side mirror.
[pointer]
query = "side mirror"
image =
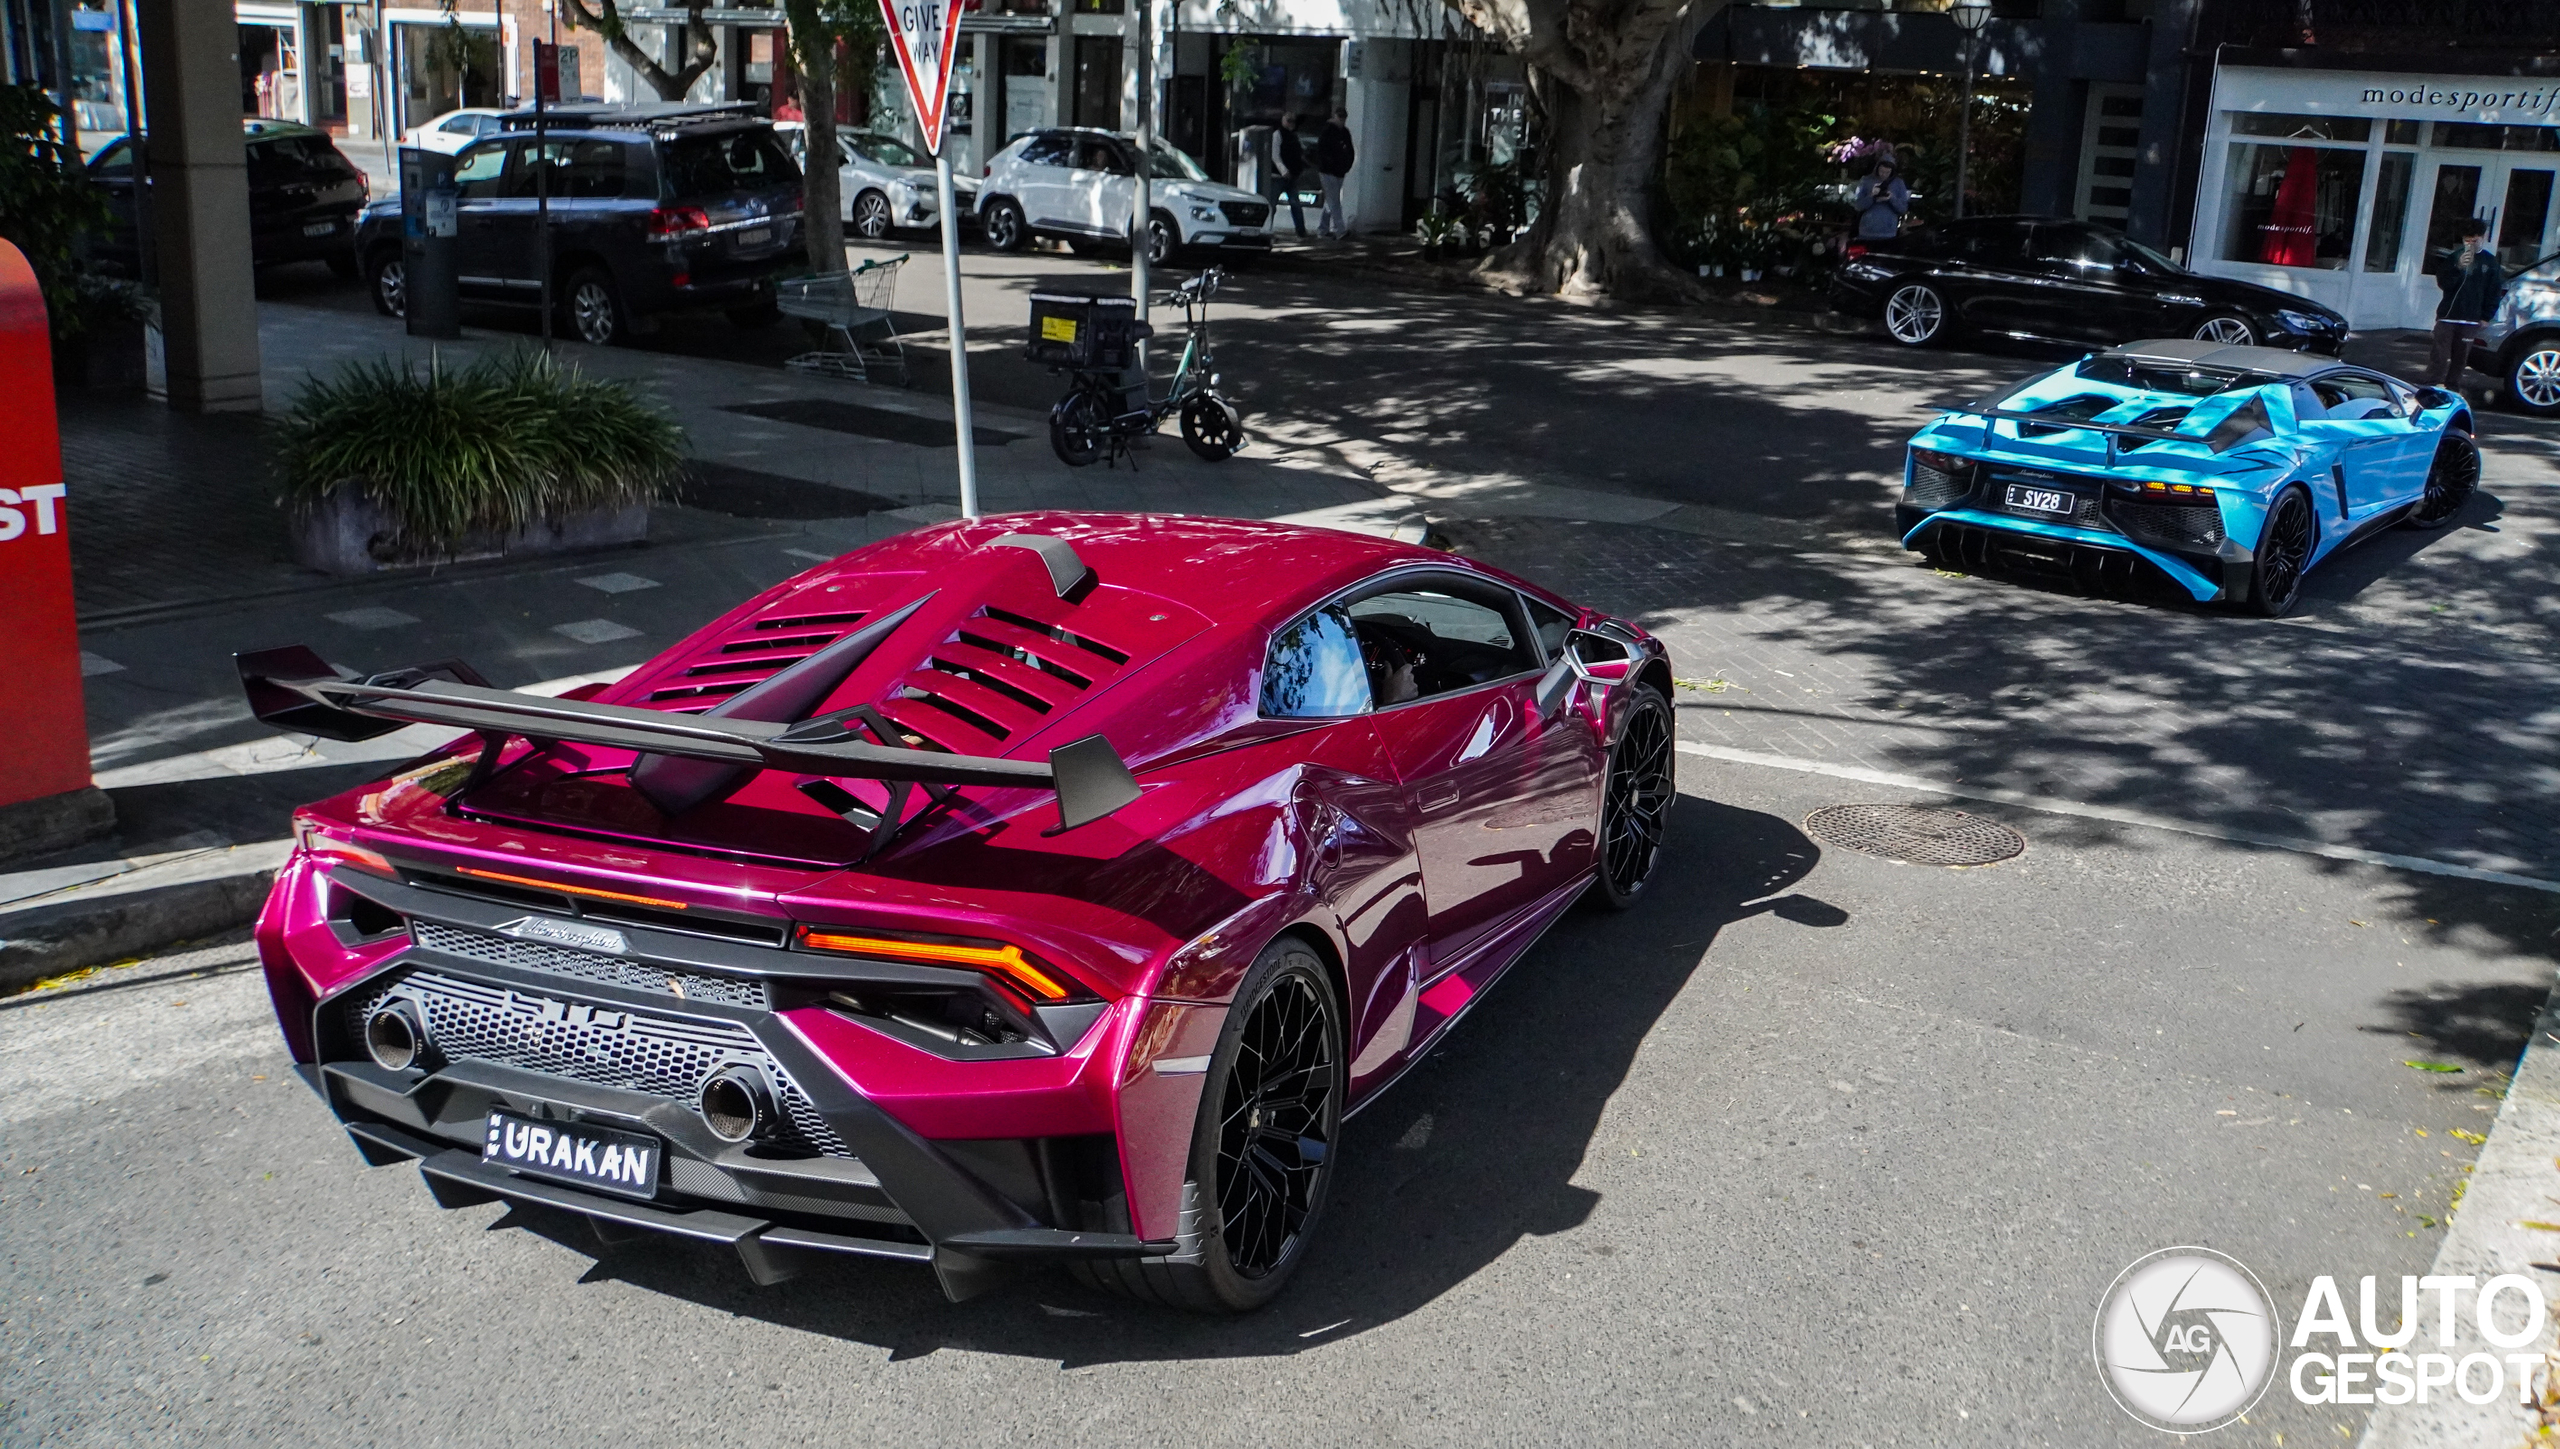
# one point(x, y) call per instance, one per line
point(1597, 658)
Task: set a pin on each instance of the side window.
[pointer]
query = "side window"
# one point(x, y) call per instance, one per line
point(1552, 625)
point(1045, 149)
point(2351, 396)
point(116, 160)
point(1995, 245)
point(461, 126)
point(1421, 642)
point(480, 173)
point(580, 171)
point(1096, 155)
point(1315, 670)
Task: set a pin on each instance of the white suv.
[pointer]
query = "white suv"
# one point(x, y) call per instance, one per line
point(1082, 186)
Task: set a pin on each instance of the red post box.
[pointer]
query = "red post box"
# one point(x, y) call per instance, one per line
point(45, 795)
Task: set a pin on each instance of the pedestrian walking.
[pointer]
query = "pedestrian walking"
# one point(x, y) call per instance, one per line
point(2472, 282)
point(1293, 164)
point(1333, 162)
point(1881, 202)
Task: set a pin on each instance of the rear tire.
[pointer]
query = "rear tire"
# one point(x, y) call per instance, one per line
point(591, 308)
point(1916, 315)
point(2284, 553)
point(1006, 229)
point(1078, 428)
point(387, 278)
point(1262, 1147)
point(2533, 379)
point(2451, 480)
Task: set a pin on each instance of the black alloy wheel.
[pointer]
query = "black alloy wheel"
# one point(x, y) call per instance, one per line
point(2533, 378)
point(1163, 239)
point(1210, 427)
point(1635, 804)
point(1263, 1144)
point(591, 306)
point(1916, 314)
point(1007, 231)
point(2228, 328)
point(869, 216)
point(2451, 480)
point(2284, 551)
point(1079, 429)
point(390, 283)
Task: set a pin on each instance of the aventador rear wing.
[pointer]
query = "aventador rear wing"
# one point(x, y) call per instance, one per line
point(2238, 426)
point(294, 690)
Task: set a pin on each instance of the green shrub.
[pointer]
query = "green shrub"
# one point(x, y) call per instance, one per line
point(46, 201)
point(510, 441)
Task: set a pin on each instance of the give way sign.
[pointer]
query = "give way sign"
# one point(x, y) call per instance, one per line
point(924, 33)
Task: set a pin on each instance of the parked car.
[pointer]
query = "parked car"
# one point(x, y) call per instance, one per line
point(454, 130)
point(303, 199)
point(1008, 892)
point(2227, 471)
point(2521, 345)
point(1081, 187)
point(654, 209)
point(886, 183)
point(2055, 279)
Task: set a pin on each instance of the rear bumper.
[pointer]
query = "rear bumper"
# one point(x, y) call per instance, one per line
point(1989, 540)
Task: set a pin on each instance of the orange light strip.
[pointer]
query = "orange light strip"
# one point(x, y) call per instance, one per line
point(1007, 961)
point(590, 892)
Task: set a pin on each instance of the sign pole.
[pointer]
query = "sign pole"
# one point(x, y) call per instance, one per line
point(960, 418)
point(1142, 219)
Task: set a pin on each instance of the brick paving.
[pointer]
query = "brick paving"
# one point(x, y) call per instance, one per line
point(2289, 728)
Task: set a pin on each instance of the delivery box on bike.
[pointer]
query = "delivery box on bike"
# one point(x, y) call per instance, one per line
point(1069, 330)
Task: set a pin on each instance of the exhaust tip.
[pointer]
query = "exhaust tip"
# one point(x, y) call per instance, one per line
point(394, 1037)
point(737, 1103)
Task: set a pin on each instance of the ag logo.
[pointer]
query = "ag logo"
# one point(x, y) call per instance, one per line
point(2186, 1340)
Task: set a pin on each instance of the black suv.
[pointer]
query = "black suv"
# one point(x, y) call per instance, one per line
point(659, 208)
point(303, 198)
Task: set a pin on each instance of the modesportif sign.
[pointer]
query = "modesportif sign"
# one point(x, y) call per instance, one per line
point(2481, 99)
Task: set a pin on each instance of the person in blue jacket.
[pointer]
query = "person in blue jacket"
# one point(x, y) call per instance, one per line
point(1881, 202)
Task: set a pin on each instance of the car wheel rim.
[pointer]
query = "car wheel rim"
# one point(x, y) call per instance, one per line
point(871, 217)
point(1000, 228)
point(2538, 378)
point(392, 285)
point(1639, 800)
point(2230, 331)
point(1159, 245)
point(1914, 314)
point(2286, 548)
point(2450, 483)
point(1275, 1127)
point(593, 310)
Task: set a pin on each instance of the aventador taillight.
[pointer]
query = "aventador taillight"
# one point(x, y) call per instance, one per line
point(312, 840)
point(2157, 492)
point(1939, 462)
point(1006, 962)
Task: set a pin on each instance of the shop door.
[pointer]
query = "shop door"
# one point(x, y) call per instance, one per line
point(2515, 197)
point(1097, 78)
point(1024, 68)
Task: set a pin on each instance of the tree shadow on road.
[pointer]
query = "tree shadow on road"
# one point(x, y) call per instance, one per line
point(1479, 1147)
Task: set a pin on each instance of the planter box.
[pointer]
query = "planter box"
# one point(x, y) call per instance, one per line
point(348, 535)
point(106, 356)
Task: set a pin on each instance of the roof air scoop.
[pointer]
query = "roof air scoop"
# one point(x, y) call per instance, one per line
point(676, 784)
point(1068, 571)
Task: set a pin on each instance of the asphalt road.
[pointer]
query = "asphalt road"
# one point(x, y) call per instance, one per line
point(1812, 1148)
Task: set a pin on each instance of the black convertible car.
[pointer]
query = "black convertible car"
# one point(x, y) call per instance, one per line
point(2054, 279)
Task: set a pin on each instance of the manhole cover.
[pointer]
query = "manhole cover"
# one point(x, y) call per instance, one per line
point(1914, 833)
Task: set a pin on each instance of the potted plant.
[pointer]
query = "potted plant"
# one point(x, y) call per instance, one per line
point(388, 464)
point(98, 341)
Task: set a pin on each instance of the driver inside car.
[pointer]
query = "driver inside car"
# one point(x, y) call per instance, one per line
point(1391, 669)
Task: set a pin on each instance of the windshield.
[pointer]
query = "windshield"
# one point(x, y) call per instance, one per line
point(885, 150)
point(2169, 377)
point(722, 164)
point(1174, 165)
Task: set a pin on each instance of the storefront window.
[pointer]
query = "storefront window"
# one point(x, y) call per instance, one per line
point(2390, 211)
point(2300, 128)
point(2291, 206)
point(2400, 133)
point(2497, 138)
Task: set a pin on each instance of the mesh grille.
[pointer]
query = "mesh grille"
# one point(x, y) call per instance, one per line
point(1244, 213)
point(1935, 488)
point(2177, 525)
point(587, 966)
point(598, 1045)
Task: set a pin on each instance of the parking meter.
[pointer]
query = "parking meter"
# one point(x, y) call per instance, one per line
point(428, 226)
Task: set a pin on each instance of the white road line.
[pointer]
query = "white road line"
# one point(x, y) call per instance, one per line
point(2118, 815)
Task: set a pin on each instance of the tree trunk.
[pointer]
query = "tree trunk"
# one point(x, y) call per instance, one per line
point(701, 47)
point(822, 218)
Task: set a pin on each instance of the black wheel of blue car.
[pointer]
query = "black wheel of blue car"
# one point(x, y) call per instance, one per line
point(1262, 1149)
point(2451, 480)
point(2284, 551)
point(1635, 805)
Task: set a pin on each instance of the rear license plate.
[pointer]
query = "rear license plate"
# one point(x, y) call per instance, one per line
point(320, 228)
point(2039, 500)
point(755, 236)
point(624, 1163)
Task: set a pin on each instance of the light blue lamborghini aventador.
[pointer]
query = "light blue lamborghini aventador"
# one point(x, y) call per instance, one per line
point(2228, 470)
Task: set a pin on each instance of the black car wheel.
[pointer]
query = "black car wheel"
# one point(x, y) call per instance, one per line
point(390, 283)
point(1210, 427)
point(1006, 229)
point(2533, 379)
point(1262, 1150)
point(2284, 551)
point(1916, 314)
point(2451, 480)
point(869, 216)
point(2227, 328)
point(1078, 428)
point(592, 308)
point(1163, 239)
point(1635, 805)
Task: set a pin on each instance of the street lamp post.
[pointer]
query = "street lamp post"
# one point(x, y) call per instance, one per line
point(1970, 16)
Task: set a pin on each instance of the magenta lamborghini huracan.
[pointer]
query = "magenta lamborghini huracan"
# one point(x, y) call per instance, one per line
point(1034, 890)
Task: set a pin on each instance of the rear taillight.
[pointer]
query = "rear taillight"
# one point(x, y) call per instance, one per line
point(317, 842)
point(1854, 250)
point(986, 171)
point(1006, 962)
point(668, 223)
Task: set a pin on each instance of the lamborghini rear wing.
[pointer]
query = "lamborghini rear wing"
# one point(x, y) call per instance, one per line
point(2236, 427)
point(293, 689)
